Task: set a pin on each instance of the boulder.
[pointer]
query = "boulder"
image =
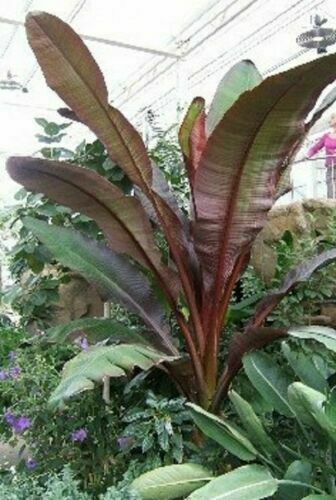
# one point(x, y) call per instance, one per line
point(299, 218)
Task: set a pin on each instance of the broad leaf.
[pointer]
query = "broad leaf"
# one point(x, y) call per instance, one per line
point(299, 274)
point(241, 77)
point(299, 471)
point(305, 368)
point(117, 278)
point(71, 71)
point(223, 432)
point(250, 482)
point(321, 334)
point(252, 424)
point(96, 330)
point(269, 379)
point(192, 137)
point(98, 362)
point(172, 481)
point(236, 180)
point(309, 406)
point(121, 218)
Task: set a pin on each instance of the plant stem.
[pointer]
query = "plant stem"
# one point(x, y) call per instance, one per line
point(298, 484)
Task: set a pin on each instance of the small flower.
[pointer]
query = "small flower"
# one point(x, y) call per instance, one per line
point(12, 356)
point(80, 435)
point(31, 464)
point(123, 442)
point(9, 418)
point(18, 424)
point(3, 374)
point(82, 342)
point(14, 372)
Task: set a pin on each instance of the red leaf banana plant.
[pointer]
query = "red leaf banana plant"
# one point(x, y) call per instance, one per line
point(234, 157)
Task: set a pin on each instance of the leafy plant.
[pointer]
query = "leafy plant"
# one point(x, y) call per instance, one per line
point(234, 159)
point(293, 459)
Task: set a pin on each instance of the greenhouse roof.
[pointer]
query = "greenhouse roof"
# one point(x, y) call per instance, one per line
point(154, 55)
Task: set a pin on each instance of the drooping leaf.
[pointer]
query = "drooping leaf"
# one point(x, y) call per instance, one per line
point(96, 330)
point(241, 77)
point(71, 71)
point(74, 75)
point(223, 432)
point(92, 366)
point(321, 334)
point(300, 471)
point(309, 406)
point(305, 368)
point(250, 482)
point(116, 278)
point(171, 481)
point(121, 218)
point(269, 379)
point(252, 424)
point(236, 180)
point(297, 275)
point(241, 343)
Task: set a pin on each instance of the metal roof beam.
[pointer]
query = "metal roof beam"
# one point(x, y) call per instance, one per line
point(106, 41)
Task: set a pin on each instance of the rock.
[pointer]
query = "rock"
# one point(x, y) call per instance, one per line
point(299, 218)
point(78, 299)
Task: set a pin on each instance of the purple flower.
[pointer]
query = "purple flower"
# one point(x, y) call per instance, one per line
point(82, 342)
point(21, 424)
point(31, 463)
point(18, 424)
point(14, 372)
point(12, 356)
point(123, 442)
point(9, 418)
point(3, 374)
point(80, 435)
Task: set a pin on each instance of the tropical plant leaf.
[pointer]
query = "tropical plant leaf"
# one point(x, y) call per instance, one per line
point(252, 424)
point(121, 218)
point(241, 343)
point(299, 274)
point(300, 471)
point(236, 180)
point(172, 481)
point(74, 75)
point(321, 334)
point(309, 406)
point(305, 368)
point(117, 278)
point(241, 77)
point(223, 432)
point(71, 71)
point(269, 380)
point(192, 136)
point(96, 330)
point(92, 366)
point(250, 482)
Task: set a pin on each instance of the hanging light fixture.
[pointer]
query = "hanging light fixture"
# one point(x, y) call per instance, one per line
point(317, 38)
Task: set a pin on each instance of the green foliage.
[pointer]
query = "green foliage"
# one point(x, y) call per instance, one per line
point(161, 427)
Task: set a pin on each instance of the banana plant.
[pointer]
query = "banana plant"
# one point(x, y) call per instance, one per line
point(298, 464)
point(234, 157)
